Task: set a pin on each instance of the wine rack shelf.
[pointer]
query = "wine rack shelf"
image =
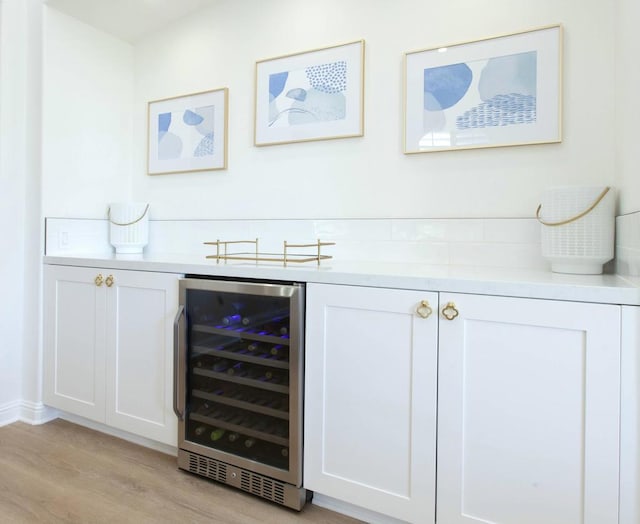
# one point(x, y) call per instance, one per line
point(244, 430)
point(263, 360)
point(248, 334)
point(250, 406)
point(242, 381)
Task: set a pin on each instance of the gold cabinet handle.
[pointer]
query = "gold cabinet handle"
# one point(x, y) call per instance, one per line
point(98, 280)
point(109, 281)
point(449, 311)
point(424, 309)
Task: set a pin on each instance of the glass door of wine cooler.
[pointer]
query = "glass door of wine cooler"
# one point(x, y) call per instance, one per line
point(239, 373)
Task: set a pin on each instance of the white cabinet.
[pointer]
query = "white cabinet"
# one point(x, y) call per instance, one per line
point(74, 341)
point(370, 398)
point(108, 347)
point(528, 412)
point(528, 406)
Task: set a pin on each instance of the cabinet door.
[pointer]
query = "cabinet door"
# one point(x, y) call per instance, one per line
point(139, 372)
point(74, 341)
point(528, 412)
point(370, 399)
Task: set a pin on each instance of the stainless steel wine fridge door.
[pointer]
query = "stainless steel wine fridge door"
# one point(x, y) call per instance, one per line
point(238, 375)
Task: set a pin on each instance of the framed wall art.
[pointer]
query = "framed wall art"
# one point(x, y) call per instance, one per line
point(500, 91)
point(314, 95)
point(188, 133)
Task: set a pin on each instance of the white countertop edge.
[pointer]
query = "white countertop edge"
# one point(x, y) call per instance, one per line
point(606, 289)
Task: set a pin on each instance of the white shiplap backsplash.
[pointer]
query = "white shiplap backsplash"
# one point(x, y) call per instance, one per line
point(496, 242)
point(492, 242)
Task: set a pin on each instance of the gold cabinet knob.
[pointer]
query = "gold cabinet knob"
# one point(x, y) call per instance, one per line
point(424, 309)
point(109, 281)
point(449, 311)
point(98, 280)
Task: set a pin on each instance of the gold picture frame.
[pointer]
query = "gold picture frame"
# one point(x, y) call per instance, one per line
point(188, 133)
point(312, 95)
point(494, 92)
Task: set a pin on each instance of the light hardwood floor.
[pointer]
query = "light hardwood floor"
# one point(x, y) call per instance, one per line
point(60, 472)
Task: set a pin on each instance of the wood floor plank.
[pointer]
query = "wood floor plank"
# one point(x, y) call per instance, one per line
point(60, 472)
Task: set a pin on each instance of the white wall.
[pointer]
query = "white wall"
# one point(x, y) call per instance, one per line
point(370, 177)
point(87, 118)
point(87, 75)
point(628, 104)
point(12, 76)
point(19, 200)
point(33, 220)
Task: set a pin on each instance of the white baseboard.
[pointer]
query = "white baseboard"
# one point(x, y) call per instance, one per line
point(344, 508)
point(37, 413)
point(102, 428)
point(10, 412)
point(25, 411)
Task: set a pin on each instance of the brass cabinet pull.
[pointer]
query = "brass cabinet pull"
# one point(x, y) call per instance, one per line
point(424, 309)
point(98, 280)
point(449, 311)
point(109, 281)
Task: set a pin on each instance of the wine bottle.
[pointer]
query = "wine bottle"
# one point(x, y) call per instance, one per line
point(259, 373)
point(231, 320)
point(232, 437)
point(265, 316)
point(223, 415)
point(237, 395)
point(221, 366)
point(240, 350)
point(237, 419)
point(278, 327)
point(277, 351)
point(204, 361)
point(239, 369)
point(217, 434)
point(254, 347)
point(200, 430)
point(284, 452)
point(249, 442)
point(270, 376)
point(214, 413)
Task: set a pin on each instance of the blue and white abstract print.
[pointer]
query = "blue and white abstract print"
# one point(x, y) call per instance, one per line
point(186, 134)
point(497, 92)
point(306, 96)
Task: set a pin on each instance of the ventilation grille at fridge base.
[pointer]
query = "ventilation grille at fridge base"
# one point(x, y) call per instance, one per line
point(207, 467)
point(254, 483)
point(262, 487)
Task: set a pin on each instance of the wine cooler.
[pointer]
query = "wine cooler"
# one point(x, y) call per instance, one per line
point(238, 385)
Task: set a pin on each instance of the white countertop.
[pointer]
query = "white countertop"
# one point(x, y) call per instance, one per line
point(610, 289)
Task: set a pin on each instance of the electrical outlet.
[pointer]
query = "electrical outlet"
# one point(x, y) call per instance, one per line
point(63, 239)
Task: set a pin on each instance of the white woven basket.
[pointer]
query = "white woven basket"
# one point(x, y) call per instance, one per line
point(578, 226)
point(129, 226)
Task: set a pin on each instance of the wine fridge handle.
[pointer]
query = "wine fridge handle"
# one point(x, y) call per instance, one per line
point(178, 370)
